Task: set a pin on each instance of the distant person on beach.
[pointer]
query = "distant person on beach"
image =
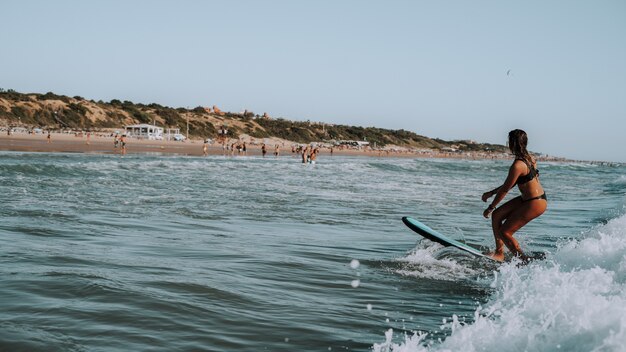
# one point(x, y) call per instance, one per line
point(313, 157)
point(123, 144)
point(263, 150)
point(116, 142)
point(517, 212)
point(244, 149)
point(48, 137)
point(305, 155)
point(276, 150)
point(205, 147)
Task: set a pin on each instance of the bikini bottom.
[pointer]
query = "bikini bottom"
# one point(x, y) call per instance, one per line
point(543, 196)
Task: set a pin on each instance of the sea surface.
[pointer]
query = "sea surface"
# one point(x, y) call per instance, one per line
point(172, 253)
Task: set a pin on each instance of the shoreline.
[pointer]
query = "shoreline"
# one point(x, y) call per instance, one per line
point(98, 144)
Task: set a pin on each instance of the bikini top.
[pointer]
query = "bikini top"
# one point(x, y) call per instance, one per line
point(529, 176)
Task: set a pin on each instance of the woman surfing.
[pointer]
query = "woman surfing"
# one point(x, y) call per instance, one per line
point(517, 212)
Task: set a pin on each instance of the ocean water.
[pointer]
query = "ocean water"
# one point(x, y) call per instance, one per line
point(171, 253)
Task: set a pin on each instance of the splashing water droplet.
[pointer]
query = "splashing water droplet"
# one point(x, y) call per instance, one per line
point(354, 264)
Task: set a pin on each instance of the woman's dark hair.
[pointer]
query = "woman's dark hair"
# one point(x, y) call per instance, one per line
point(518, 140)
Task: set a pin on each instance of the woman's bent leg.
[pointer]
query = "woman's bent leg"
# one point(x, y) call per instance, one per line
point(497, 219)
point(521, 216)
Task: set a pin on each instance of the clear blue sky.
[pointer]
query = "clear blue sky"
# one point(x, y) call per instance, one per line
point(438, 68)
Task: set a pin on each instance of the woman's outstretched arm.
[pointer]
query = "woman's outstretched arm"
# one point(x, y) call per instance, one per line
point(514, 172)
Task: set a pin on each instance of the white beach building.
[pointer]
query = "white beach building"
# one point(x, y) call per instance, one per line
point(143, 130)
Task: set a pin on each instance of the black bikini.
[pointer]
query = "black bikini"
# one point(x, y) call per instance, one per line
point(527, 178)
point(543, 196)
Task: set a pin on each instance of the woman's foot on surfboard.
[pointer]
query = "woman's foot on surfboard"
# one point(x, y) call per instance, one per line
point(495, 256)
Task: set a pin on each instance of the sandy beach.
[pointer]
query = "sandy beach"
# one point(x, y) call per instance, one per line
point(69, 143)
point(101, 144)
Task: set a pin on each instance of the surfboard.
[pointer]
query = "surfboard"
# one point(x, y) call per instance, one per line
point(435, 236)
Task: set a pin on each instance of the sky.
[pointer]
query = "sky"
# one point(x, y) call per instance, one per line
point(443, 69)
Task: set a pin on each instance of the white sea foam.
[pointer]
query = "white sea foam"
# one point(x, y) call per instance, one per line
point(423, 263)
point(621, 180)
point(573, 301)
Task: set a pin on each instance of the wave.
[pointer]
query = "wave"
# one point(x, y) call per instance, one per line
point(575, 300)
point(433, 261)
point(621, 180)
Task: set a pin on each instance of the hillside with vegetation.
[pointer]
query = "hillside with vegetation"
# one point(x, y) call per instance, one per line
point(58, 112)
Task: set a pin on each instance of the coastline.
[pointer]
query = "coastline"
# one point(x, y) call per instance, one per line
point(100, 144)
point(68, 143)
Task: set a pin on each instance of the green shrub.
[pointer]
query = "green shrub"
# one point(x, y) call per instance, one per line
point(116, 118)
point(199, 110)
point(44, 118)
point(138, 115)
point(13, 95)
point(202, 129)
point(170, 116)
point(18, 111)
point(142, 117)
point(79, 108)
point(22, 115)
point(259, 133)
point(74, 119)
point(5, 114)
point(52, 96)
point(155, 106)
